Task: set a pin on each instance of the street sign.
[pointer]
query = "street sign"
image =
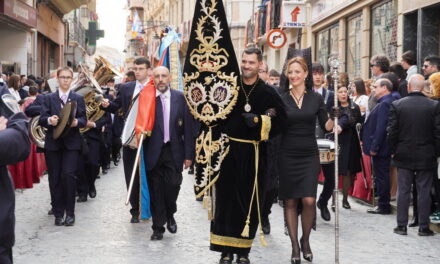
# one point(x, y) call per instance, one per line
point(93, 33)
point(294, 15)
point(276, 39)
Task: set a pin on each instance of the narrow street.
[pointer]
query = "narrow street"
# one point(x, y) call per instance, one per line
point(102, 234)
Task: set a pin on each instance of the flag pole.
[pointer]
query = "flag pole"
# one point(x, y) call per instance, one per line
point(136, 162)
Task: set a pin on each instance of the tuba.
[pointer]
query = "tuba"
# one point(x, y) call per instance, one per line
point(91, 90)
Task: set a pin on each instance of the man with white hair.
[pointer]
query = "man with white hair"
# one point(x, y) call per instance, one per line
point(414, 143)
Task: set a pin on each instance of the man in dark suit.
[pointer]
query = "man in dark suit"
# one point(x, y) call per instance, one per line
point(169, 149)
point(127, 92)
point(414, 142)
point(375, 144)
point(15, 147)
point(62, 153)
point(88, 165)
point(327, 169)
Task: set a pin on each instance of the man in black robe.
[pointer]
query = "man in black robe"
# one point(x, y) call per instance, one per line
point(239, 190)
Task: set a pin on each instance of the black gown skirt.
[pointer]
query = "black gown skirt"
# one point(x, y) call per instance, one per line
point(298, 160)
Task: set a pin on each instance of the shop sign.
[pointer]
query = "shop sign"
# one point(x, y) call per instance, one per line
point(19, 11)
point(294, 14)
point(276, 39)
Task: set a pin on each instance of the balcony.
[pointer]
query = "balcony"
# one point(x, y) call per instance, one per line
point(136, 4)
point(77, 32)
point(66, 6)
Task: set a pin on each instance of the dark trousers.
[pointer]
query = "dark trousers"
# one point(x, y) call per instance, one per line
point(128, 158)
point(88, 168)
point(6, 255)
point(329, 183)
point(270, 197)
point(381, 172)
point(62, 169)
point(423, 180)
point(164, 183)
point(116, 148)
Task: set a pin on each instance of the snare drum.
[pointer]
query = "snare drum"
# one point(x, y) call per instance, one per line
point(326, 151)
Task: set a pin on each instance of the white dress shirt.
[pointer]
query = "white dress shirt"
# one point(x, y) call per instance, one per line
point(139, 86)
point(166, 116)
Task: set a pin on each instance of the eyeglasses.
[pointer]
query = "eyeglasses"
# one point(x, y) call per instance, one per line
point(65, 77)
point(425, 65)
point(139, 69)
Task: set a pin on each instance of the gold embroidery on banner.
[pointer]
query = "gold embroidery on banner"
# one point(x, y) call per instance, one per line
point(216, 97)
point(231, 241)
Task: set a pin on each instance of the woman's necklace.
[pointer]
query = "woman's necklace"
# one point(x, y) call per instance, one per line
point(247, 106)
point(297, 100)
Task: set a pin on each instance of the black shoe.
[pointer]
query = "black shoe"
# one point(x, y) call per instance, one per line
point(59, 221)
point(70, 221)
point(157, 235)
point(243, 259)
point(50, 212)
point(346, 205)
point(199, 199)
point(226, 258)
point(307, 254)
point(82, 199)
point(401, 230)
point(92, 193)
point(425, 232)
point(414, 222)
point(104, 171)
point(265, 225)
point(325, 213)
point(115, 162)
point(333, 208)
point(296, 258)
point(134, 219)
point(171, 225)
point(378, 210)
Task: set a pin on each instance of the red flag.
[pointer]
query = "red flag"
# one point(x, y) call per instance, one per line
point(146, 109)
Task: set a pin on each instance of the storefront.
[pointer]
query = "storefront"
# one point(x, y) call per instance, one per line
point(355, 31)
point(17, 21)
point(421, 28)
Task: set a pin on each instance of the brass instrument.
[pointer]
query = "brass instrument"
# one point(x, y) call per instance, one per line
point(36, 132)
point(92, 92)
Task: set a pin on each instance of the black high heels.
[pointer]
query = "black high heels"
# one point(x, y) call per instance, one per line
point(346, 205)
point(307, 254)
point(296, 259)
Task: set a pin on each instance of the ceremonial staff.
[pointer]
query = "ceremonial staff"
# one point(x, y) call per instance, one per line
point(334, 64)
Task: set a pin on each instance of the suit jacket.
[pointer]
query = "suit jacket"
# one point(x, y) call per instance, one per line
point(35, 108)
point(414, 132)
point(123, 100)
point(374, 129)
point(23, 94)
point(15, 147)
point(181, 133)
point(52, 106)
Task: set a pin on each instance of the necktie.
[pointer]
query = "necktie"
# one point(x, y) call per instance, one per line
point(64, 98)
point(166, 119)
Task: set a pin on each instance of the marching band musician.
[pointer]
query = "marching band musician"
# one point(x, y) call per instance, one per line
point(15, 147)
point(88, 165)
point(127, 92)
point(170, 148)
point(62, 153)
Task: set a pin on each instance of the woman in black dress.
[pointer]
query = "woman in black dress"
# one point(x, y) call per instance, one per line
point(349, 147)
point(299, 157)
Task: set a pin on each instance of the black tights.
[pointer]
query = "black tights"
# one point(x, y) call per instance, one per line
point(307, 215)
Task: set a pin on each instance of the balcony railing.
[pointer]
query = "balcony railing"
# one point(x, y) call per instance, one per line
point(77, 32)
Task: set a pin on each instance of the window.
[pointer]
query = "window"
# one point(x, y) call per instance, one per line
point(327, 43)
point(384, 30)
point(354, 36)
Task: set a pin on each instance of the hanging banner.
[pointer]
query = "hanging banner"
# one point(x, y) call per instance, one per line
point(294, 15)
